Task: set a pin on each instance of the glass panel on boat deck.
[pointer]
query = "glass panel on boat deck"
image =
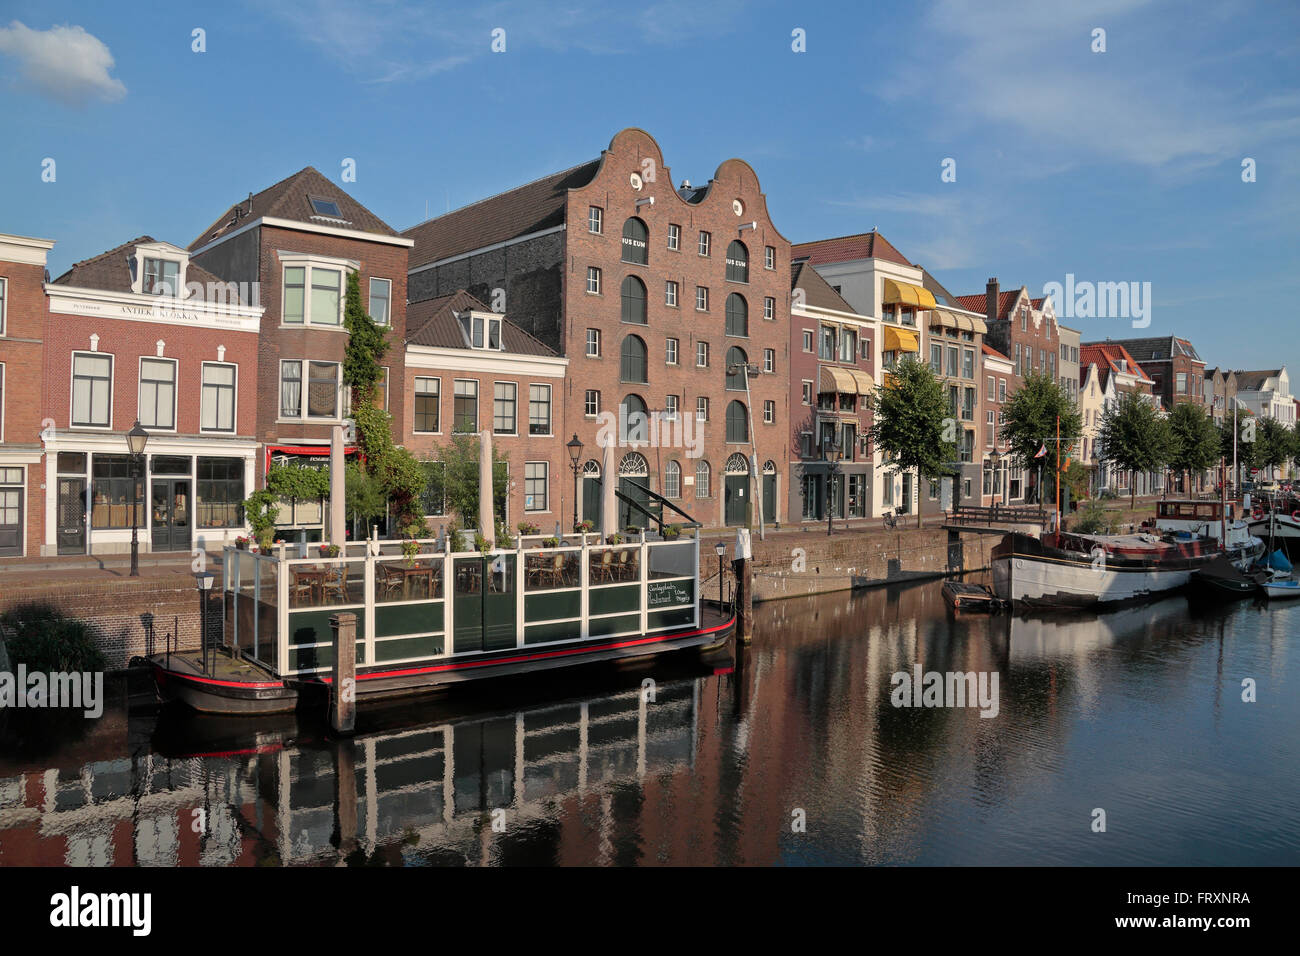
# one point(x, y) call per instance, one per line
point(402, 578)
point(609, 565)
point(552, 568)
point(672, 560)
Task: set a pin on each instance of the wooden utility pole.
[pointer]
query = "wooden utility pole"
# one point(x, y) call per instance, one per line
point(343, 689)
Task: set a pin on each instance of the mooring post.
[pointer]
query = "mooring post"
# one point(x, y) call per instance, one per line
point(743, 566)
point(343, 689)
point(345, 782)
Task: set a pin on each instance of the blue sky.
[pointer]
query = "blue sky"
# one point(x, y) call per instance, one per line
point(1117, 166)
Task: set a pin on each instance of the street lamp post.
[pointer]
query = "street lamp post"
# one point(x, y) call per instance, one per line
point(136, 439)
point(747, 369)
point(830, 451)
point(575, 455)
point(203, 580)
point(720, 550)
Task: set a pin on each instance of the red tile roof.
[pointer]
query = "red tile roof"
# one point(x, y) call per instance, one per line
point(111, 271)
point(989, 350)
point(866, 245)
point(978, 302)
point(1107, 355)
point(817, 292)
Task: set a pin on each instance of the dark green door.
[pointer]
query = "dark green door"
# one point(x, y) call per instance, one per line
point(737, 499)
point(71, 535)
point(170, 504)
point(591, 501)
point(769, 499)
point(483, 599)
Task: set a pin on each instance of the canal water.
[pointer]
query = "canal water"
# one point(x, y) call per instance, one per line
point(790, 751)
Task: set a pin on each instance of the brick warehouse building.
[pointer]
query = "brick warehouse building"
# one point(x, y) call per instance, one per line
point(141, 333)
point(22, 357)
point(298, 240)
point(652, 293)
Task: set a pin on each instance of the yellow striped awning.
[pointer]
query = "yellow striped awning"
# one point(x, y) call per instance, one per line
point(900, 340)
point(837, 380)
point(908, 294)
point(955, 320)
point(865, 384)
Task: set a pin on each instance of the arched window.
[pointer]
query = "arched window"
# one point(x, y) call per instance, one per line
point(769, 467)
point(673, 480)
point(634, 300)
point(737, 315)
point(633, 465)
point(632, 359)
point(737, 261)
point(703, 476)
point(636, 242)
point(591, 469)
point(737, 422)
point(737, 464)
point(634, 421)
point(736, 360)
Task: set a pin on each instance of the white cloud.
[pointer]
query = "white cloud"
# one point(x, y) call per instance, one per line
point(64, 62)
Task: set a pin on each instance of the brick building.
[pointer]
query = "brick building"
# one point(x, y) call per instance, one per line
point(22, 357)
point(1220, 393)
point(832, 361)
point(1178, 373)
point(141, 333)
point(1108, 371)
point(296, 242)
point(1025, 330)
point(660, 297)
point(997, 470)
point(469, 369)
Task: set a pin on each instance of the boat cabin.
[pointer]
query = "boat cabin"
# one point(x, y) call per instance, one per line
point(1195, 518)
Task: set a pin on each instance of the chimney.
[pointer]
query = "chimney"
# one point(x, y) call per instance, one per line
point(991, 300)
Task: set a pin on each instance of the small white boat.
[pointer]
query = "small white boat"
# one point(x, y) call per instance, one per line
point(1281, 589)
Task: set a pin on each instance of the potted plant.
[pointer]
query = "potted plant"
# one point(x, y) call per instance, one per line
point(241, 543)
point(526, 527)
point(584, 527)
point(671, 531)
point(457, 539)
point(482, 544)
point(551, 542)
point(410, 548)
point(615, 538)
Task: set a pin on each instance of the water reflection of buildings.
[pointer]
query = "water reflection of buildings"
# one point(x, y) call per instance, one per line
point(381, 794)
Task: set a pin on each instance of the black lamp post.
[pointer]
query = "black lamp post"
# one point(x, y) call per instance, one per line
point(136, 439)
point(575, 455)
point(830, 450)
point(203, 579)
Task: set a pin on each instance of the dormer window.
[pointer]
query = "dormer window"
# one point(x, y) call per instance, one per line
point(481, 332)
point(326, 207)
point(161, 277)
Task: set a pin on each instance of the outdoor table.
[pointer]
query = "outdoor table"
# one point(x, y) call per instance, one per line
point(417, 572)
point(315, 577)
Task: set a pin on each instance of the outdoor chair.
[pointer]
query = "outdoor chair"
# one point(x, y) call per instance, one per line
point(603, 570)
point(392, 580)
point(336, 584)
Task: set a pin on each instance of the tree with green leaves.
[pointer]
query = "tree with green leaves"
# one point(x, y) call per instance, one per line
point(912, 424)
point(1276, 447)
point(1030, 418)
point(459, 477)
point(1134, 436)
point(392, 466)
point(1250, 447)
point(1195, 445)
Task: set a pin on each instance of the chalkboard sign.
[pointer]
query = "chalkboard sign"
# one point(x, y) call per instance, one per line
point(670, 593)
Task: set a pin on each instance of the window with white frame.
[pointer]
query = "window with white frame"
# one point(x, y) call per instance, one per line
point(427, 404)
point(539, 409)
point(161, 277)
point(705, 240)
point(312, 295)
point(674, 237)
point(703, 474)
point(769, 307)
point(217, 402)
point(673, 480)
point(591, 403)
point(807, 392)
point(769, 412)
point(701, 354)
point(595, 218)
point(769, 257)
point(481, 332)
point(465, 406)
point(670, 293)
point(3, 299)
point(593, 343)
point(671, 407)
point(324, 380)
point(535, 486)
point(157, 408)
point(503, 408)
point(593, 280)
point(2, 401)
point(702, 409)
point(769, 360)
point(670, 351)
point(92, 390)
point(381, 295)
point(807, 340)
point(701, 299)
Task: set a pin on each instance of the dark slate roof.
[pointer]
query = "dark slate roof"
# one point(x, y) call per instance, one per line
point(1159, 349)
point(110, 272)
point(817, 292)
point(291, 199)
point(866, 245)
point(526, 209)
point(942, 296)
point(434, 323)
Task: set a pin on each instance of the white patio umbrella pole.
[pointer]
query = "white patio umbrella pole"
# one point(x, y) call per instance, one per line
point(487, 526)
point(608, 503)
point(338, 533)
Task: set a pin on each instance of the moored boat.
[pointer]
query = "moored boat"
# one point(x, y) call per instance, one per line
point(432, 618)
point(1224, 580)
point(1084, 570)
point(1281, 589)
